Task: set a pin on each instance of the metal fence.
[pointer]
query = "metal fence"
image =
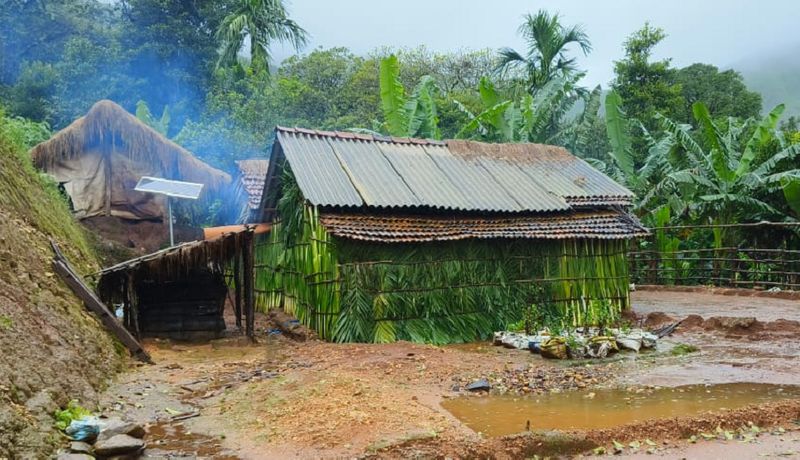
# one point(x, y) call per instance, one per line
point(765, 255)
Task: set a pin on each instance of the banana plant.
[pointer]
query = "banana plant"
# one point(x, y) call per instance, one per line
point(791, 191)
point(145, 116)
point(727, 174)
point(407, 116)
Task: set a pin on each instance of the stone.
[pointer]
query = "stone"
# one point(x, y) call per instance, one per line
point(114, 427)
point(118, 444)
point(479, 385)
point(74, 457)
point(78, 447)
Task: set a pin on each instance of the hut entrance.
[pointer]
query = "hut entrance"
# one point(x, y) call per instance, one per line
point(190, 308)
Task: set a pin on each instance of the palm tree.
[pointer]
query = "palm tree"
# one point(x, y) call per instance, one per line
point(537, 118)
point(263, 22)
point(546, 57)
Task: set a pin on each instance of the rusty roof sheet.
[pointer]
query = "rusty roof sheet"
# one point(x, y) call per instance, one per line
point(252, 175)
point(341, 169)
point(418, 228)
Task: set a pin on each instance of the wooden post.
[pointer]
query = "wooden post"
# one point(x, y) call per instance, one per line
point(247, 260)
point(237, 286)
point(134, 307)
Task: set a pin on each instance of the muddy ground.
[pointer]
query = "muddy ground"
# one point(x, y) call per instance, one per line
point(281, 398)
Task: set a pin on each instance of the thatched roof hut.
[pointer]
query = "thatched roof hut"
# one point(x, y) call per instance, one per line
point(100, 157)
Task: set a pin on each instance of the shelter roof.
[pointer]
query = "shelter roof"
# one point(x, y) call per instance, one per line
point(107, 122)
point(252, 174)
point(348, 170)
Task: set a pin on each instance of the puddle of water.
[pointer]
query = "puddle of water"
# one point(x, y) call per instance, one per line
point(166, 440)
point(503, 415)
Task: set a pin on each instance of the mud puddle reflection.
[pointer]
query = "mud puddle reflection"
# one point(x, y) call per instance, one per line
point(503, 415)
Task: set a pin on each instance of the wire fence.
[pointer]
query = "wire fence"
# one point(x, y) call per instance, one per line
point(762, 255)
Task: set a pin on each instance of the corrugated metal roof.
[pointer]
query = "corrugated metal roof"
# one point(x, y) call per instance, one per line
point(475, 183)
point(372, 174)
point(433, 188)
point(416, 228)
point(317, 170)
point(351, 170)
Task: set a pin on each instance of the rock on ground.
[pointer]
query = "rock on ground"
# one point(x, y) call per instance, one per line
point(78, 447)
point(115, 426)
point(118, 444)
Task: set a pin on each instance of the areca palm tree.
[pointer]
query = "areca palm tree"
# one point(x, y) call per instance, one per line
point(535, 118)
point(263, 22)
point(546, 56)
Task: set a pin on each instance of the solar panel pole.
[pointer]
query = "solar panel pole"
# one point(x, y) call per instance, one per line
point(172, 189)
point(171, 235)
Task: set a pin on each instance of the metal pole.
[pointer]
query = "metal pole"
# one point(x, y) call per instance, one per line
point(171, 235)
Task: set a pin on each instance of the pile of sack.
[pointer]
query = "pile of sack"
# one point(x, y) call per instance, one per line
point(578, 344)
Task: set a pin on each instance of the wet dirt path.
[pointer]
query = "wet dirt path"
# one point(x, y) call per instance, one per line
point(285, 399)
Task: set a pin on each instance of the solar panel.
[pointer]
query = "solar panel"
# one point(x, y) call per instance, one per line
point(168, 187)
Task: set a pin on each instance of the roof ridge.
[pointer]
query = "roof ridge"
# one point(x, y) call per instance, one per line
point(352, 135)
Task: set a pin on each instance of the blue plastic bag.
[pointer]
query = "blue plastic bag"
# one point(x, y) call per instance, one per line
point(85, 429)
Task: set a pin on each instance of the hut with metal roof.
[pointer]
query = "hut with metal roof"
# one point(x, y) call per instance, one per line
point(377, 239)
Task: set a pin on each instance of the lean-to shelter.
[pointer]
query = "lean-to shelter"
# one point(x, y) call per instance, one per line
point(100, 157)
point(379, 239)
point(180, 292)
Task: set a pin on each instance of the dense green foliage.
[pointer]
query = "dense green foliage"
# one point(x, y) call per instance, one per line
point(26, 192)
point(190, 70)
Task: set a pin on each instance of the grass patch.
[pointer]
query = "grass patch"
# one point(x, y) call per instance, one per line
point(34, 197)
point(73, 411)
point(5, 322)
point(683, 349)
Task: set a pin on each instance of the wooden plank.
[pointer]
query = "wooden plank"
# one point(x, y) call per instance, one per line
point(62, 267)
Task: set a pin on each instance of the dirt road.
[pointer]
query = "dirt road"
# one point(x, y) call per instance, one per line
point(286, 399)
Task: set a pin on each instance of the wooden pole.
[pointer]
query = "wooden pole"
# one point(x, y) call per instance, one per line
point(237, 286)
point(249, 307)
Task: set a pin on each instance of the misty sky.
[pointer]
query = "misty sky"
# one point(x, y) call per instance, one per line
point(720, 32)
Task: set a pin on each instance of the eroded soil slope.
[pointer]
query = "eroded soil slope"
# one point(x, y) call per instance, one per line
point(52, 350)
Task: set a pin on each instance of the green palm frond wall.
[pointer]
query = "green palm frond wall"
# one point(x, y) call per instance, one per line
point(441, 292)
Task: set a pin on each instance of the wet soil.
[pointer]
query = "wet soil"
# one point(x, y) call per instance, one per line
point(281, 398)
point(706, 304)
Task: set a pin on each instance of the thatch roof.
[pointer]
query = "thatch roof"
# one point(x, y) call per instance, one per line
point(108, 123)
point(172, 263)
